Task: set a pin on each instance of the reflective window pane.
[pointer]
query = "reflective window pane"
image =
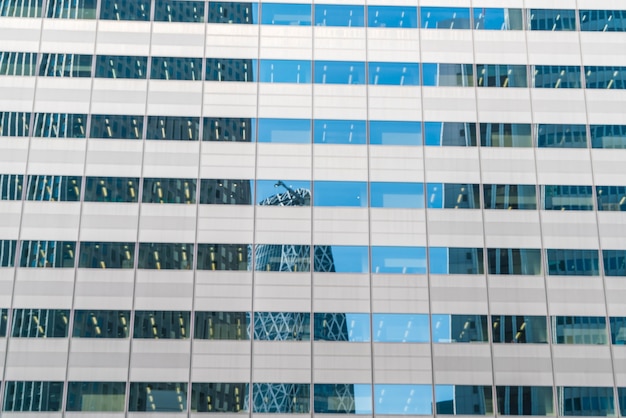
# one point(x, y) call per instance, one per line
point(60, 125)
point(525, 400)
point(611, 198)
point(169, 190)
point(605, 77)
point(353, 327)
point(579, 330)
point(342, 398)
point(452, 196)
point(219, 397)
point(74, 9)
point(21, 8)
point(283, 193)
point(231, 69)
point(459, 328)
point(125, 10)
point(17, 63)
point(603, 20)
point(552, 20)
point(340, 131)
point(157, 397)
point(395, 133)
point(505, 135)
point(11, 186)
point(226, 192)
point(161, 325)
point(281, 398)
point(297, 131)
point(614, 262)
point(166, 256)
point(608, 136)
point(572, 262)
point(586, 401)
point(339, 72)
point(340, 193)
point(341, 259)
point(286, 14)
point(567, 197)
point(65, 65)
point(3, 322)
point(222, 326)
point(282, 257)
point(460, 134)
point(498, 19)
point(618, 330)
point(561, 136)
point(455, 75)
point(101, 324)
point(176, 68)
point(116, 126)
point(7, 253)
point(282, 326)
point(396, 195)
point(32, 396)
point(400, 328)
point(285, 71)
point(445, 17)
point(233, 12)
point(229, 129)
point(111, 189)
point(524, 261)
point(556, 76)
point(463, 400)
point(54, 188)
point(48, 254)
point(40, 323)
point(519, 329)
point(339, 15)
point(492, 75)
point(510, 196)
point(179, 11)
point(224, 257)
point(444, 260)
point(398, 260)
point(394, 74)
point(113, 66)
point(403, 399)
point(107, 255)
point(14, 123)
point(391, 17)
point(96, 396)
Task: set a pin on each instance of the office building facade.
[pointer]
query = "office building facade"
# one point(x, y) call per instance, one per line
point(364, 207)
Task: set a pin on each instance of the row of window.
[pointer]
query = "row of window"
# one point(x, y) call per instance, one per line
point(321, 398)
point(318, 131)
point(303, 258)
point(322, 14)
point(306, 71)
point(296, 326)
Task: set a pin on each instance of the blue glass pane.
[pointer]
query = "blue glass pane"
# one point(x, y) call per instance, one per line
point(498, 19)
point(618, 330)
point(603, 21)
point(463, 400)
point(391, 17)
point(445, 17)
point(339, 15)
point(403, 399)
point(340, 193)
point(339, 72)
point(394, 74)
point(281, 398)
point(285, 71)
point(400, 328)
point(608, 136)
point(295, 131)
point(605, 77)
point(396, 195)
point(567, 197)
point(399, 260)
point(552, 20)
point(561, 136)
point(231, 69)
point(340, 131)
point(236, 12)
point(283, 192)
point(518, 329)
point(341, 259)
point(459, 328)
point(585, 401)
point(282, 326)
point(453, 75)
point(572, 262)
point(445, 260)
point(286, 14)
point(452, 196)
point(614, 262)
point(342, 398)
point(353, 327)
point(525, 400)
point(395, 133)
point(556, 76)
point(459, 134)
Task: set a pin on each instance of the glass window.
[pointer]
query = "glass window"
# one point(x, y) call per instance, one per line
point(7, 253)
point(101, 324)
point(572, 262)
point(173, 325)
point(396, 195)
point(398, 260)
point(452, 196)
point(561, 136)
point(463, 400)
point(177, 128)
point(125, 10)
point(459, 328)
point(226, 192)
point(621, 392)
point(296, 131)
point(11, 186)
point(65, 65)
point(60, 125)
point(525, 400)
point(96, 396)
point(21, 8)
point(282, 257)
point(505, 135)
point(519, 329)
point(107, 255)
point(445, 17)
point(524, 261)
point(231, 69)
point(341, 259)
point(116, 126)
point(282, 326)
point(167, 256)
point(179, 11)
point(219, 397)
point(283, 193)
point(233, 12)
point(50, 254)
point(493, 75)
point(395, 133)
point(556, 76)
point(579, 330)
point(286, 14)
point(618, 330)
point(608, 136)
point(54, 188)
point(229, 129)
point(585, 401)
point(339, 72)
point(14, 123)
point(444, 260)
point(169, 191)
point(32, 396)
point(605, 77)
point(3, 322)
point(340, 193)
point(224, 257)
point(403, 399)
point(113, 66)
point(498, 19)
point(339, 15)
point(342, 398)
point(176, 68)
point(510, 196)
point(157, 397)
point(40, 323)
point(614, 262)
point(603, 21)
point(391, 17)
point(553, 20)
point(222, 326)
point(111, 189)
point(611, 198)
point(400, 328)
point(459, 134)
point(281, 398)
point(340, 131)
point(18, 63)
point(455, 75)
point(394, 74)
point(73, 9)
point(285, 71)
point(353, 327)
point(567, 197)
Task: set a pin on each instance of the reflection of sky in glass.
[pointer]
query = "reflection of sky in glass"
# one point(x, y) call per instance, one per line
point(285, 71)
point(438, 257)
point(339, 72)
point(445, 17)
point(442, 328)
point(358, 327)
point(286, 14)
point(350, 259)
point(497, 19)
point(434, 195)
point(395, 133)
point(397, 195)
point(269, 188)
point(432, 133)
point(340, 193)
point(285, 130)
point(340, 131)
point(403, 399)
point(393, 73)
point(339, 15)
point(392, 17)
point(405, 328)
point(363, 399)
point(399, 260)
point(336, 326)
point(429, 74)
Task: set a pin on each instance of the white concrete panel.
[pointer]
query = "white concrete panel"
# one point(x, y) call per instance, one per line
point(177, 39)
point(602, 48)
point(608, 166)
point(402, 363)
point(20, 35)
point(174, 97)
point(281, 361)
point(398, 227)
point(340, 226)
point(504, 105)
point(334, 362)
point(283, 162)
point(119, 96)
point(335, 161)
point(104, 289)
point(332, 100)
point(291, 224)
point(57, 156)
point(507, 47)
point(10, 219)
point(43, 288)
point(232, 41)
point(578, 296)
point(563, 166)
point(286, 42)
point(612, 229)
point(42, 359)
point(399, 293)
point(13, 155)
point(462, 364)
point(452, 164)
point(552, 47)
point(455, 228)
point(62, 95)
point(507, 165)
point(580, 365)
point(65, 35)
point(224, 361)
point(18, 93)
point(512, 229)
point(522, 365)
point(339, 43)
point(605, 107)
point(558, 105)
point(615, 294)
point(223, 291)
point(173, 159)
point(119, 156)
point(449, 104)
point(599, 4)
point(394, 103)
point(160, 360)
point(341, 292)
point(550, 4)
point(109, 222)
point(569, 229)
point(6, 286)
point(517, 295)
point(163, 290)
point(282, 291)
point(103, 360)
point(396, 163)
point(234, 99)
point(394, 45)
point(123, 37)
point(50, 221)
point(458, 294)
point(285, 100)
point(228, 224)
point(229, 160)
point(446, 46)
point(167, 223)
point(619, 365)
